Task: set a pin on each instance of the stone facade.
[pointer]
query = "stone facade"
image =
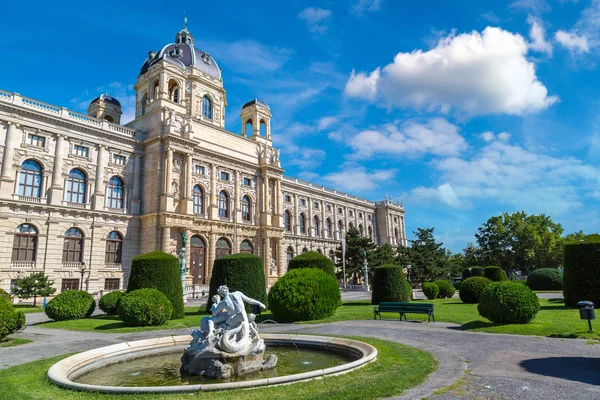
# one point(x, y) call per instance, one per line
point(84, 192)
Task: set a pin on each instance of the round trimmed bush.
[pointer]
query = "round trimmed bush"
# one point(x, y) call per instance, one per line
point(160, 271)
point(477, 271)
point(312, 259)
point(240, 272)
point(581, 278)
point(495, 274)
point(545, 279)
point(471, 288)
point(430, 290)
point(145, 307)
point(71, 304)
point(11, 320)
point(508, 303)
point(446, 289)
point(389, 284)
point(304, 294)
point(109, 303)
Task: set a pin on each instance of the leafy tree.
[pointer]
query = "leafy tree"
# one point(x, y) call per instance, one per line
point(520, 241)
point(428, 259)
point(471, 255)
point(455, 263)
point(354, 253)
point(383, 255)
point(33, 285)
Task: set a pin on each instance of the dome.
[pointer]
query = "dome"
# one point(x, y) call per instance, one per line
point(107, 99)
point(257, 102)
point(183, 54)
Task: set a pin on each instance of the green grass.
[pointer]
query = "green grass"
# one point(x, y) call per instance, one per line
point(28, 308)
point(396, 369)
point(10, 342)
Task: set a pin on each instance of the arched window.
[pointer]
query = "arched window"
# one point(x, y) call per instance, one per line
point(249, 128)
point(360, 230)
point(223, 248)
point(287, 221)
point(246, 209)
point(155, 89)
point(173, 91)
point(316, 226)
point(143, 105)
point(319, 251)
point(223, 205)
point(30, 179)
point(73, 245)
point(370, 229)
point(302, 223)
point(115, 193)
point(114, 242)
point(340, 228)
point(246, 247)
point(304, 250)
point(350, 225)
point(206, 107)
point(263, 128)
point(25, 243)
point(328, 227)
point(197, 197)
point(290, 254)
point(109, 118)
point(75, 191)
point(332, 256)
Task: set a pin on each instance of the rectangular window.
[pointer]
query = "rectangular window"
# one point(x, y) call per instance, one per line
point(81, 151)
point(339, 210)
point(315, 205)
point(69, 284)
point(36, 140)
point(119, 159)
point(302, 202)
point(111, 284)
point(350, 213)
point(225, 176)
point(359, 215)
point(288, 198)
point(329, 207)
point(199, 169)
point(247, 181)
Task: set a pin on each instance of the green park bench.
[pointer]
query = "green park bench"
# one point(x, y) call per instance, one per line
point(405, 307)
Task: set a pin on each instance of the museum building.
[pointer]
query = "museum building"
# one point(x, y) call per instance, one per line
point(81, 195)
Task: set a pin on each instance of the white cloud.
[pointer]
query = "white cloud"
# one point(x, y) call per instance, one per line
point(443, 193)
point(315, 19)
point(572, 42)
point(249, 57)
point(504, 136)
point(535, 6)
point(326, 122)
point(488, 136)
point(409, 139)
point(357, 179)
point(490, 17)
point(473, 73)
point(360, 7)
point(537, 34)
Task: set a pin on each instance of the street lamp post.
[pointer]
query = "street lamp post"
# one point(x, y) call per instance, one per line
point(82, 269)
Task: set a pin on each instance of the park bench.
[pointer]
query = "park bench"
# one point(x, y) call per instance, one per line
point(405, 307)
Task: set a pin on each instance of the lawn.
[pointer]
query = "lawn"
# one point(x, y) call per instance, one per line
point(396, 369)
point(11, 341)
point(28, 308)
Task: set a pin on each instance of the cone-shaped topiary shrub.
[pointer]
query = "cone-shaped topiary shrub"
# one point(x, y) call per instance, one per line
point(508, 303)
point(581, 278)
point(71, 304)
point(158, 270)
point(446, 289)
point(145, 307)
point(496, 274)
point(11, 320)
point(471, 288)
point(545, 279)
point(312, 259)
point(389, 284)
point(304, 294)
point(430, 290)
point(109, 303)
point(240, 272)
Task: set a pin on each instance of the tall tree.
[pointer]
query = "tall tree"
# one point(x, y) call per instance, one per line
point(382, 255)
point(427, 258)
point(472, 255)
point(354, 253)
point(33, 285)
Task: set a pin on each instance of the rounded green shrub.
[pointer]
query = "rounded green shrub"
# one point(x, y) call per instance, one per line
point(158, 270)
point(71, 304)
point(304, 294)
point(11, 320)
point(312, 259)
point(145, 307)
point(477, 271)
point(446, 289)
point(496, 274)
point(389, 284)
point(240, 272)
point(545, 279)
point(6, 295)
point(109, 303)
point(581, 278)
point(471, 288)
point(430, 290)
point(508, 302)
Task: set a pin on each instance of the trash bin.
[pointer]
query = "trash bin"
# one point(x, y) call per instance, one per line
point(256, 309)
point(586, 311)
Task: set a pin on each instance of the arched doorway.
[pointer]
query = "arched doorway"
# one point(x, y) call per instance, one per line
point(198, 260)
point(246, 247)
point(223, 248)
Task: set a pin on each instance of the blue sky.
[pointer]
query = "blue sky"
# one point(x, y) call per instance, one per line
point(464, 109)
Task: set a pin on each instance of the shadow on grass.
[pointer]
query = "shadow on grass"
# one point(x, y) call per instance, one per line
point(562, 301)
point(579, 369)
point(356, 303)
point(476, 324)
point(114, 325)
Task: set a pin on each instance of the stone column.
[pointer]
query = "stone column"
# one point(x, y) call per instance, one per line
point(309, 222)
point(214, 210)
point(267, 258)
point(281, 258)
point(295, 216)
point(188, 249)
point(56, 190)
point(12, 140)
point(237, 200)
point(100, 188)
point(166, 245)
point(168, 171)
point(265, 217)
point(212, 246)
point(137, 183)
point(323, 221)
point(188, 201)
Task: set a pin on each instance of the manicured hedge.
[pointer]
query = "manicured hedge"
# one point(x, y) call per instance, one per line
point(304, 294)
point(471, 289)
point(158, 270)
point(6, 295)
point(145, 307)
point(496, 274)
point(240, 272)
point(508, 303)
point(446, 289)
point(312, 259)
point(71, 304)
point(581, 278)
point(389, 284)
point(472, 271)
point(545, 279)
point(430, 290)
point(109, 303)
point(11, 320)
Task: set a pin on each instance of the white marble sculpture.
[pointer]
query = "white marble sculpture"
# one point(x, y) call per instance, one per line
point(227, 342)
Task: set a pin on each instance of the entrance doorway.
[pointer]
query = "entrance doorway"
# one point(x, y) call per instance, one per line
point(198, 260)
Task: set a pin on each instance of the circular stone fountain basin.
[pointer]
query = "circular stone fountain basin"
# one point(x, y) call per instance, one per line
point(349, 354)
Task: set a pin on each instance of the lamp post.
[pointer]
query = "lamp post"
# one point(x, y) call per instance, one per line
point(366, 271)
point(82, 269)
